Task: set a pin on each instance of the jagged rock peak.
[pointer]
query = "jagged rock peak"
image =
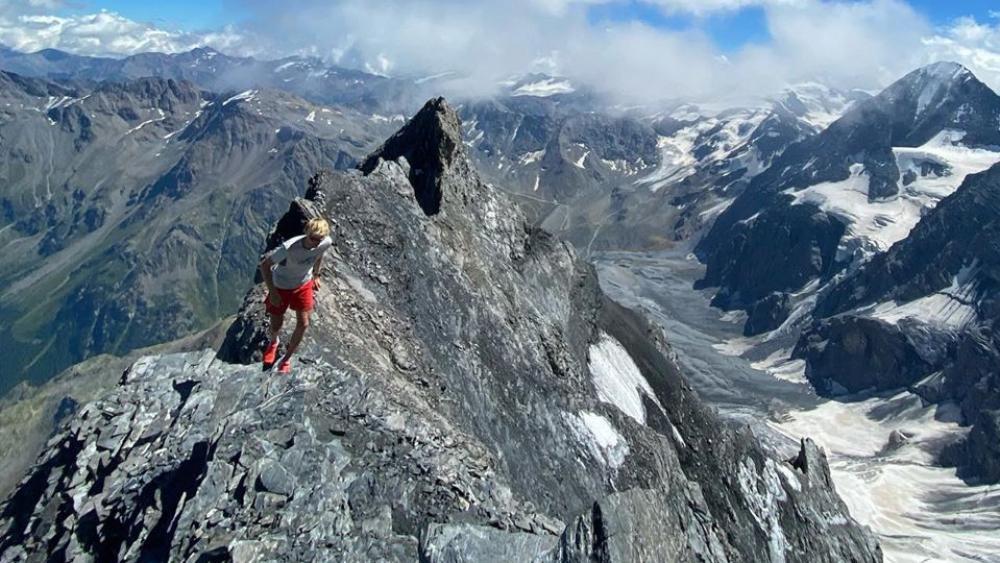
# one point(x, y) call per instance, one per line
point(431, 142)
point(811, 461)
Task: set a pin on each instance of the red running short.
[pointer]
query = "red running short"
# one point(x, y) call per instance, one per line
point(298, 299)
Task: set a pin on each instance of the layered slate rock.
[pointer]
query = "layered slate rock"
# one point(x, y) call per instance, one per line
point(465, 393)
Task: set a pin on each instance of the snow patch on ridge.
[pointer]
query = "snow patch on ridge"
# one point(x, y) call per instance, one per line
point(529, 157)
point(147, 122)
point(288, 65)
point(952, 307)
point(781, 366)
point(617, 378)
point(763, 491)
point(677, 160)
point(946, 151)
point(246, 95)
point(722, 135)
point(597, 434)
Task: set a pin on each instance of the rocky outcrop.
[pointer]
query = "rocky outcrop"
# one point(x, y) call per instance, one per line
point(767, 314)
point(972, 379)
point(466, 393)
point(775, 251)
point(31, 415)
point(853, 354)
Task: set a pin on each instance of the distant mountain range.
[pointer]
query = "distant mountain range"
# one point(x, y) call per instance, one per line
point(132, 212)
point(856, 231)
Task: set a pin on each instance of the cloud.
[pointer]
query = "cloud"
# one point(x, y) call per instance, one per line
point(30, 26)
point(846, 43)
point(8, 7)
point(850, 43)
point(706, 7)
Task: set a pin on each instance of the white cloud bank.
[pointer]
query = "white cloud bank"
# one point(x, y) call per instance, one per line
point(845, 43)
point(31, 26)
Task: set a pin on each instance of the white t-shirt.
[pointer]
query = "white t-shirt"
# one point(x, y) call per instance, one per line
point(292, 262)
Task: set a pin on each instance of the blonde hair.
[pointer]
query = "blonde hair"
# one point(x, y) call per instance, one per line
point(317, 226)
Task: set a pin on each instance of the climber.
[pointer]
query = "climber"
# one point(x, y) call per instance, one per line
point(291, 273)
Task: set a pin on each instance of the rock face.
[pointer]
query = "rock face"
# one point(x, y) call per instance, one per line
point(924, 315)
point(858, 354)
point(466, 393)
point(767, 314)
point(778, 252)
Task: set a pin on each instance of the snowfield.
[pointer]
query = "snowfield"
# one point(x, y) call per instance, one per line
point(951, 307)
point(618, 379)
point(875, 226)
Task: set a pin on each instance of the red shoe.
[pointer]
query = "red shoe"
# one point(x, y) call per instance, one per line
point(271, 353)
point(285, 366)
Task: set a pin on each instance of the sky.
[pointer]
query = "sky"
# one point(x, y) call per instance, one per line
point(637, 50)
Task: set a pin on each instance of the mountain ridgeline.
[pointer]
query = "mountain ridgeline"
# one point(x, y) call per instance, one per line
point(876, 241)
point(467, 393)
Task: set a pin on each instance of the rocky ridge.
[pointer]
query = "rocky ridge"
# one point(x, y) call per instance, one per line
point(466, 393)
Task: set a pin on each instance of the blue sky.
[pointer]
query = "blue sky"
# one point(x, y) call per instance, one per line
point(188, 15)
point(730, 30)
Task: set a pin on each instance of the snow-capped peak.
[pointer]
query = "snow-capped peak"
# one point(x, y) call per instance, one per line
point(930, 86)
point(944, 71)
point(817, 104)
point(936, 80)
